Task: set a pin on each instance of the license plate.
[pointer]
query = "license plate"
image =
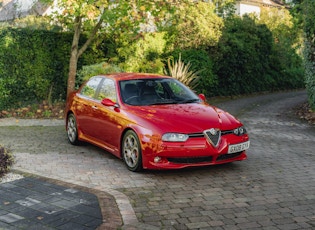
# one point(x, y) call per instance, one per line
point(238, 147)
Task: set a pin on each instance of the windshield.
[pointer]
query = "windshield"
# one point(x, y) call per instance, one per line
point(156, 91)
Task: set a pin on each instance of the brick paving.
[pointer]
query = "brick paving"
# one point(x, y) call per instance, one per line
point(273, 189)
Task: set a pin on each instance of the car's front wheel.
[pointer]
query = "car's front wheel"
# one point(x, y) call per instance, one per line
point(72, 129)
point(131, 151)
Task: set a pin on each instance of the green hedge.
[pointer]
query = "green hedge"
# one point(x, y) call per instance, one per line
point(248, 60)
point(34, 63)
point(34, 66)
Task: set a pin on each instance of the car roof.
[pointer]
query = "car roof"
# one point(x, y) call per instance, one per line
point(131, 76)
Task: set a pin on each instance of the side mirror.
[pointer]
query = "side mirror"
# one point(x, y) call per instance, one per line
point(202, 97)
point(108, 102)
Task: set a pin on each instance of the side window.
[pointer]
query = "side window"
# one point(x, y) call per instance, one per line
point(107, 90)
point(90, 87)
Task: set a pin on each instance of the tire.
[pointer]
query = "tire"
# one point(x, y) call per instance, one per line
point(131, 151)
point(72, 130)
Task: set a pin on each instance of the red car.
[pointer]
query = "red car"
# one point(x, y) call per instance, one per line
point(153, 122)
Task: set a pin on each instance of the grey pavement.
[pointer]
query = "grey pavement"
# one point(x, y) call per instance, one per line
point(32, 203)
point(273, 189)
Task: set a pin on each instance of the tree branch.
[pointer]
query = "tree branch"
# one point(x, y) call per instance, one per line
point(92, 36)
point(77, 32)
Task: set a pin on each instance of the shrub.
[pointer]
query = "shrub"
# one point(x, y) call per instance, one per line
point(181, 71)
point(201, 63)
point(6, 160)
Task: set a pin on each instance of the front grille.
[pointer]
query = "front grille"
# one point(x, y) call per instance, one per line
point(228, 156)
point(213, 136)
point(192, 135)
point(190, 160)
point(197, 135)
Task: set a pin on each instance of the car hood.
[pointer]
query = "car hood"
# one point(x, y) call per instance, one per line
point(185, 118)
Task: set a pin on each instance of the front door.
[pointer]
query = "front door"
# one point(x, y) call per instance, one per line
point(107, 128)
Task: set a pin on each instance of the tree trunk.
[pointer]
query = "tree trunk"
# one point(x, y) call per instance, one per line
point(72, 71)
point(74, 56)
point(76, 52)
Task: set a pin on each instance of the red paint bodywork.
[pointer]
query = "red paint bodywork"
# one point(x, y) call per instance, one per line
point(103, 124)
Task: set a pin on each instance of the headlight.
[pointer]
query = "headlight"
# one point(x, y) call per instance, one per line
point(239, 131)
point(174, 137)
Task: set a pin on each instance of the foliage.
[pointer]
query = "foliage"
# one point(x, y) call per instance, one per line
point(196, 26)
point(243, 53)
point(122, 18)
point(100, 68)
point(232, 55)
point(248, 60)
point(225, 8)
point(6, 160)
point(143, 55)
point(280, 22)
point(309, 52)
point(27, 72)
point(181, 71)
point(200, 62)
point(303, 12)
point(33, 66)
point(287, 43)
point(296, 10)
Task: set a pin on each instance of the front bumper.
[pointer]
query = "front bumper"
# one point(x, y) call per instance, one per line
point(194, 152)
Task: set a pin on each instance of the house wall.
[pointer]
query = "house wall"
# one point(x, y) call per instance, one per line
point(12, 9)
point(247, 8)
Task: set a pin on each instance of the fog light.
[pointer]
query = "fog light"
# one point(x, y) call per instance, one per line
point(157, 159)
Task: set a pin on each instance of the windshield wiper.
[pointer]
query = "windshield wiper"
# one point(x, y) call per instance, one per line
point(163, 102)
point(188, 101)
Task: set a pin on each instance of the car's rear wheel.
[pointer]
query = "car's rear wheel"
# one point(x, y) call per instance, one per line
point(72, 130)
point(131, 151)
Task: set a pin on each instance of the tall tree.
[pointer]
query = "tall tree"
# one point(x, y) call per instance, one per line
point(90, 17)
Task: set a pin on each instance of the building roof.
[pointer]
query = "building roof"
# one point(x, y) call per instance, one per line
point(270, 3)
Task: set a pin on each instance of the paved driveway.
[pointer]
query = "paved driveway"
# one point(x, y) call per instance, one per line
point(273, 189)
